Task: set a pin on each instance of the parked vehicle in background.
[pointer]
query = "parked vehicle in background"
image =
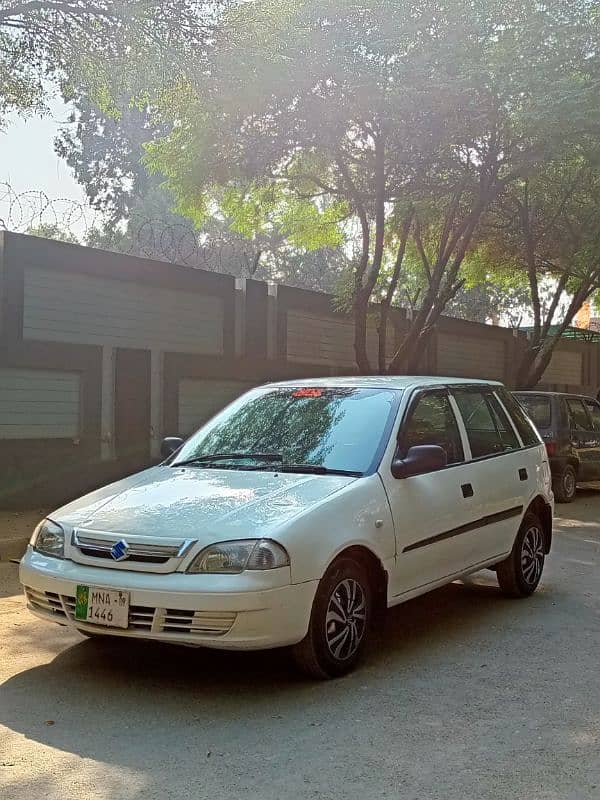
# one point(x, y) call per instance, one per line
point(298, 514)
point(569, 424)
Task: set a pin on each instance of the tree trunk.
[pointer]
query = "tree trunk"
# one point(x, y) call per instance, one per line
point(361, 309)
point(535, 361)
point(386, 302)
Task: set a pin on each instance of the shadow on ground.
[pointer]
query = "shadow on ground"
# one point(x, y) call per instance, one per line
point(462, 689)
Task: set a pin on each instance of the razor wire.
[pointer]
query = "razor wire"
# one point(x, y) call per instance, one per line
point(70, 220)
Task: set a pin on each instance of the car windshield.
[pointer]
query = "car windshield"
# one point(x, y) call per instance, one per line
point(538, 408)
point(337, 429)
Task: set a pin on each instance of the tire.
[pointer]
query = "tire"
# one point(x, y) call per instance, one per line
point(520, 573)
point(564, 485)
point(340, 622)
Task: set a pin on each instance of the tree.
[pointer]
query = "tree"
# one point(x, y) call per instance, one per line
point(105, 152)
point(547, 227)
point(53, 231)
point(100, 43)
point(402, 120)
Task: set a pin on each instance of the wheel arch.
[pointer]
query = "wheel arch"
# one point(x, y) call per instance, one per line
point(574, 462)
point(377, 574)
point(543, 511)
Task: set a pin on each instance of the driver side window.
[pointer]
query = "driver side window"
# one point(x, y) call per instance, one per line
point(432, 421)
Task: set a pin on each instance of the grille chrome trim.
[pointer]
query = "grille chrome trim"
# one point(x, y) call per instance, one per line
point(136, 548)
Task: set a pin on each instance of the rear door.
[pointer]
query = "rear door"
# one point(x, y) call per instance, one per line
point(503, 473)
point(593, 409)
point(583, 437)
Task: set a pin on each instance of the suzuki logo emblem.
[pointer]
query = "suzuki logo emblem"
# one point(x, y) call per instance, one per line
point(120, 550)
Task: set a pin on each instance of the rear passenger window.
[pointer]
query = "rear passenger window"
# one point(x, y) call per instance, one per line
point(594, 411)
point(487, 425)
point(433, 422)
point(579, 418)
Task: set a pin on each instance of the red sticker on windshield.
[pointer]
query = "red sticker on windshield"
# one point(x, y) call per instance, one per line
point(308, 392)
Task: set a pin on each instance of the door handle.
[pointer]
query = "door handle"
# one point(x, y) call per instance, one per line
point(467, 490)
point(523, 476)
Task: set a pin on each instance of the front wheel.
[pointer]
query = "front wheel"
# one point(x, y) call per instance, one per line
point(339, 622)
point(519, 574)
point(564, 485)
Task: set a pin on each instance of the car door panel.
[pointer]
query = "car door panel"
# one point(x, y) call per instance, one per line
point(430, 513)
point(583, 437)
point(502, 468)
point(434, 514)
point(593, 409)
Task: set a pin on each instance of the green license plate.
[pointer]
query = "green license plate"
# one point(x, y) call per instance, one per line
point(108, 607)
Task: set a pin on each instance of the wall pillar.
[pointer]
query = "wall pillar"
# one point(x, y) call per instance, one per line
point(156, 405)
point(107, 418)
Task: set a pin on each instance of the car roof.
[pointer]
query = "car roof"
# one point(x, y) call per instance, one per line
point(384, 382)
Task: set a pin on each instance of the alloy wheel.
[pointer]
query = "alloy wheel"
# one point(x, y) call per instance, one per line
point(532, 555)
point(346, 618)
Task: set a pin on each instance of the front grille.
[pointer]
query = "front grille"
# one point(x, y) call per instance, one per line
point(96, 552)
point(206, 623)
point(140, 552)
point(145, 619)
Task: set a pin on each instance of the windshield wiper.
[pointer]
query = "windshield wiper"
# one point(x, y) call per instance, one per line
point(318, 469)
point(228, 457)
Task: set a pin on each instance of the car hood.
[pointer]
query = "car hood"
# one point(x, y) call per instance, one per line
point(197, 503)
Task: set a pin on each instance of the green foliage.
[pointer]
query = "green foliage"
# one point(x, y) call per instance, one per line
point(110, 46)
point(346, 115)
point(48, 231)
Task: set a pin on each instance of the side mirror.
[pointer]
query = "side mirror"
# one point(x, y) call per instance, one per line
point(169, 446)
point(419, 460)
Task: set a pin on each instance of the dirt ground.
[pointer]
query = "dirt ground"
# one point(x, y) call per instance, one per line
point(464, 695)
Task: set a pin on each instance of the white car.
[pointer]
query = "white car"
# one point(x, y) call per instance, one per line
point(298, 514)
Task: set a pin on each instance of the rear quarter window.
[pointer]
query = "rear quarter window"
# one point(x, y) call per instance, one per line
point(538, 408)
point(523, 423)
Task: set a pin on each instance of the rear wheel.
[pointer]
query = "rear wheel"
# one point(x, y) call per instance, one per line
point(339, 622)
point(519, 574)
point(565, 485)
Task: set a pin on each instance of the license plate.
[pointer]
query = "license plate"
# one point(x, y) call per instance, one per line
point(106, 607)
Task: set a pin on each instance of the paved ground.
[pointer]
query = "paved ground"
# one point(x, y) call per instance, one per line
point(466, 695)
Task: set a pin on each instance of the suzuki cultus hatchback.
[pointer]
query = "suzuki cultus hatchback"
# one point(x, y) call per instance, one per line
point(298, 514)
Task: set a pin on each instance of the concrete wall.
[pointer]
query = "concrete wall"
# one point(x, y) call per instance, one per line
point(101, 355)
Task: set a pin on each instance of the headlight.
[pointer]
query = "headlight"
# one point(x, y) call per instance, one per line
point(228, 558)
point(49, 538)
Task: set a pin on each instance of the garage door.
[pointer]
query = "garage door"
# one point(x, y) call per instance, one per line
point(200, 399)
point(470, 357)
point(564, 367)
point(39, 404)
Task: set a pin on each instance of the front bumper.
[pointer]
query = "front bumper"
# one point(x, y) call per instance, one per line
point(205, 611)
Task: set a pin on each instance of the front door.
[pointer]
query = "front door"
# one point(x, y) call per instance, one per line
point(433, 513)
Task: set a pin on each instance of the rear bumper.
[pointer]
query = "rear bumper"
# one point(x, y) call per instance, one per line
point(232, 620)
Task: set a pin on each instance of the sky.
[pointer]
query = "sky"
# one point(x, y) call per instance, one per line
point(29, 164)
